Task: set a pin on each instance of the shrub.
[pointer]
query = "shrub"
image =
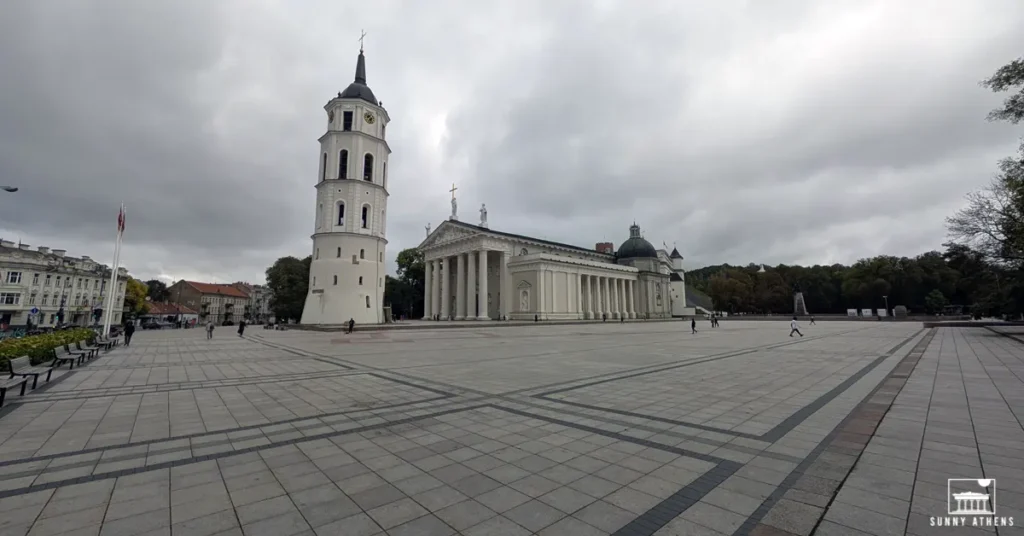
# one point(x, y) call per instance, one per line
point(40, 347)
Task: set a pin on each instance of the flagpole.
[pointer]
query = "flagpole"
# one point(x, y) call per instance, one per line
point(112, 288)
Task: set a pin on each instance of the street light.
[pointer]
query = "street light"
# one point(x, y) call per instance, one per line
point(11, 189)
point(886, 298)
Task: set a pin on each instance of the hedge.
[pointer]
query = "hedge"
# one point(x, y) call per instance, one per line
point(40, 347)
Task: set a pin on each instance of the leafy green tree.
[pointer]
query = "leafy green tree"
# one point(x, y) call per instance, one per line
point(288, 279)
point(135, 296)
point(1008, 77)
point(405, 293)
point(935, 301)
point(157, 290)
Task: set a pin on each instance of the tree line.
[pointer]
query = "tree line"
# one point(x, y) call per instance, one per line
point(981, 267)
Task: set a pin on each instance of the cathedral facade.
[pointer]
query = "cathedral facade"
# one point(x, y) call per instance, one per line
point(476, 273)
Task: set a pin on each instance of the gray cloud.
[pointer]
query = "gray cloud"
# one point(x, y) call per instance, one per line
point(796, 132)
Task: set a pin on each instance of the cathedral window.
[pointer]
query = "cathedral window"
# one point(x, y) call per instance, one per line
point(319, 212)
point(384, 175)
point(360, 280)
point(339, 252)
point(366, 216)
point(343, 164)
point(362, 254)
point(335, 279)
point(341, 213)
point(381, 256)
point(346, 121)
point(367, 302)
point(368, 167)
point(318, 253)
point(323, 168)
point(383, 130)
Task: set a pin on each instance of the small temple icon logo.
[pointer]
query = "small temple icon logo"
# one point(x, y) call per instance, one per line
point(971, 496)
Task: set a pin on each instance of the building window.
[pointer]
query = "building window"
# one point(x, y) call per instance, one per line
point(54, 302)
point(384, 175)
point(317, 253)
point(339, 252)
point(78, 299)
point(367, 302)
point(366, 216)
point(10, 298)
point(323, 168)
point(13, 278)
point(335, 279)
point(368, 167)
point(381, 284)
point(381, 256)
point(314, 281)
point(343, 164)
point(32, 299)
point(360, 280)
point(79, 283)
point(362, 254)
point(35, 280)
point(57, 284)
point(96, 284)
point(383, 130)
point(47, 282)
point(341, 213)
point(346, 121)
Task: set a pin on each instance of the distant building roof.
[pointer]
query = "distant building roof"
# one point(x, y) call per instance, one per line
point(158, 308)
point(216, 288)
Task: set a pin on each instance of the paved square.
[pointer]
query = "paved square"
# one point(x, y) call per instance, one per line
point(629, 429)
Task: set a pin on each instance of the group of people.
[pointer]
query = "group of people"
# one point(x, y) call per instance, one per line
point(209, 328)
point(793, 326)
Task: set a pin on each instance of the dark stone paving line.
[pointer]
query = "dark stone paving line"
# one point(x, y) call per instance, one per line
point(189, 386)
point(294, 351)
point(820, 480)
point(662, 513)
point(4, 463)
point(216, 456)
point(778, 431)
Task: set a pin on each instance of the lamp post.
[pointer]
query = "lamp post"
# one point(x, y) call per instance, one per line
point(886, 298)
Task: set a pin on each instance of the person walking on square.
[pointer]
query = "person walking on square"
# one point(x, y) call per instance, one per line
point(793, 328)
point(129, 330)
point(351, 324)
point(209, 329)
point(241, 327)
point(812, 320)
point(693, 325)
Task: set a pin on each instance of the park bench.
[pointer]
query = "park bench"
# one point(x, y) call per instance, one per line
point(113, 341)
point(95, 349)
point(60, 359)
point(22, 366)
point(102, 343)
point(91, 351)
point(7, 383)
point(79, 354)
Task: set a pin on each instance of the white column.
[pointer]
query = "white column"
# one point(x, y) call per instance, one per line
point(554, 293)
point(471, 285)
point(428, 289)
point(624, 309)
point(435, 288)
point(542, 285)
point(632, 299)
point(460, 288)
point(579, 295)
point(503, 299)
point(446, 273)
point(589, 298)
point(482, 297)
point(605, 304)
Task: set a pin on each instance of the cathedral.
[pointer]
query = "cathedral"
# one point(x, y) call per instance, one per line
point(472, 272)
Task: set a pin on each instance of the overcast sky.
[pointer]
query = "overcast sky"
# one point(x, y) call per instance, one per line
point(771, 132)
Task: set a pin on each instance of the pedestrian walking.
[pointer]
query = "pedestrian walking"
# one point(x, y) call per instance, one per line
point(351, 324)
point(812, 320)
point(693, 325)
point(241, 327)
point(209, 329)
point(793, 328)
point(129, 330)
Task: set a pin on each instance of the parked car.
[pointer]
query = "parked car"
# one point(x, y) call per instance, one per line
point(154, 324)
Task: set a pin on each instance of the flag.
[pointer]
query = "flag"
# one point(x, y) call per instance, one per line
point(120, 220)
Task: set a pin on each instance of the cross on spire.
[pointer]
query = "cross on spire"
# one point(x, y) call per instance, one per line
point(453, 190)
point(363, 35)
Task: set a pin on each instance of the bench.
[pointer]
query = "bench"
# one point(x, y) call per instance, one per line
point(106, 345)
point(79, 354)
point(22, 366)
point(59, 360)
point(7, 383)
point(94, 351)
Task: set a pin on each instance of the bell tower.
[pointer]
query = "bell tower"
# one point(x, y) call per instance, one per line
point(346, 277)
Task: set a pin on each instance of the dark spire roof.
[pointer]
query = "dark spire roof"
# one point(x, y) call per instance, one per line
point(675, 254)
point(358, 89)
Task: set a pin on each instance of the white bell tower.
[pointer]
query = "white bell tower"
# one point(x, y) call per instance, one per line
point(346, 277)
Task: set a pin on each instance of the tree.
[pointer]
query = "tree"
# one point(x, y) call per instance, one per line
point(1008, 77)
point(158, 290)
point(288, 280)
point(992, 223)
point(935, 301)
point(135, 296)
point(405, 293)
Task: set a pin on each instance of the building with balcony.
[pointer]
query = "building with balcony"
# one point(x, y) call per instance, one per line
point(43, 287)
point(258, 309)
point(216, 302)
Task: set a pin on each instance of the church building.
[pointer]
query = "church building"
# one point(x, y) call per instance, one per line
point(477, 273)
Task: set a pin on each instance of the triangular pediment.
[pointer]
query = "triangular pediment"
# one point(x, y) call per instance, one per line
point(445, 233)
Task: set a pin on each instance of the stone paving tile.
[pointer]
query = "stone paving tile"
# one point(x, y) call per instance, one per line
point(688, 436)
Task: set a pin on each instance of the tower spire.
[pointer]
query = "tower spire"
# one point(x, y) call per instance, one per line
point(361, 68)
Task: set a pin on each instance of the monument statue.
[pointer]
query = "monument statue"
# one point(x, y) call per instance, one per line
point(455, 210)
point(483, 215)
point(428, 229)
